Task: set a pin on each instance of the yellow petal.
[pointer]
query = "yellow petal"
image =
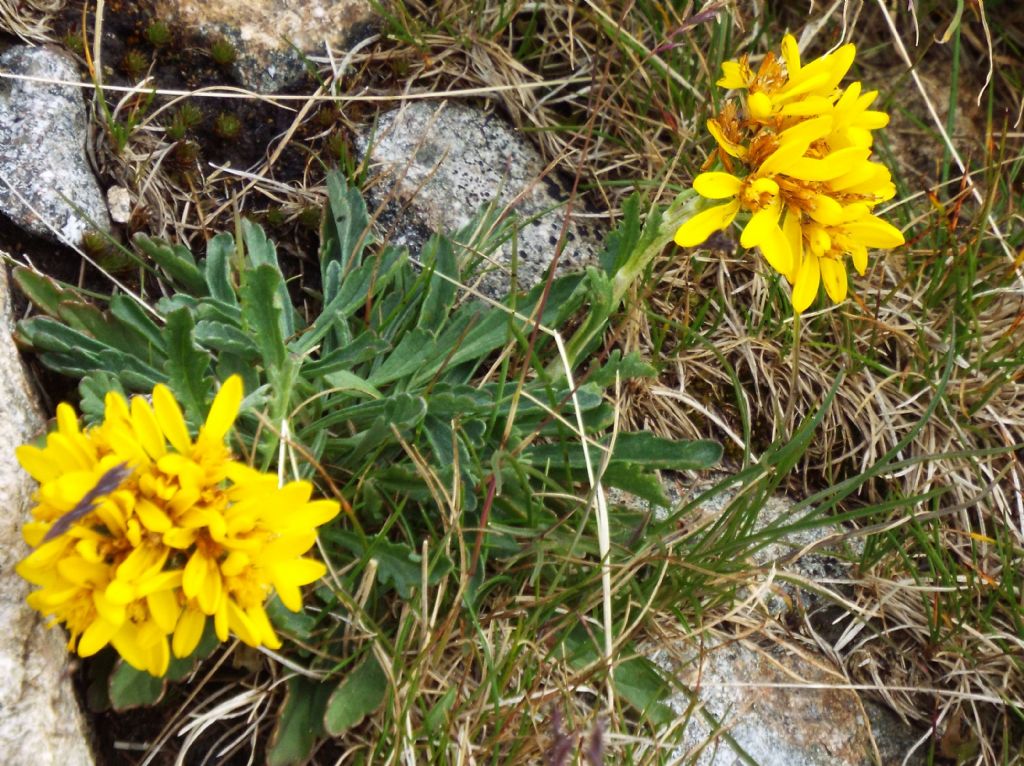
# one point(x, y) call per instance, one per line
point(833, 275)
point(224, 409)
point(284, 548)
point(159, 658)
point(164, 609)
point(119, 592)
point(152, 517)
point(860, 257)
point(195, 574)
point(37, 463)
point(795, 236)
point(759, 226)
point(179, 538)
point(112, 613)
point(791, 55)
point(266, 631)
point(775, 249)
point(829, 167)
point(697, 229)
point(187, 632)
point(67, 419)
point(717, 185)
point(234, 564)
point(734, 75)
point(826, 210)
point(807, 281)
point(126, 641)
point(172, 422)
point(874, 232)
point(147, 429)
point(299, 572)
point(95, 637)
point(809, 106)
point(115, 408)
point(729, 147)
point(242, 626)
point(220, 620)
point(161, 581)
point(289, 594)
point(759, 106)
point(313, 515)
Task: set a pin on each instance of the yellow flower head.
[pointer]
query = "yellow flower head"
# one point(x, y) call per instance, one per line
point(141, 533)
point(796, 159)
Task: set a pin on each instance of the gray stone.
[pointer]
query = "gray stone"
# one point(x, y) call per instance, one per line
point(775, 705)
point(768, 704)
point(40, 723)
point(42, 149)
point(440, 164)
point(268, 35)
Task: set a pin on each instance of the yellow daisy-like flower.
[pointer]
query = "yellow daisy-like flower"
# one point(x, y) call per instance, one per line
point(797, 160)
point(140, 533)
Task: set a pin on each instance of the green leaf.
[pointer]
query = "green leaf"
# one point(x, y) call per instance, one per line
point(93, 389)
point(108, 330)
point(349, 381)
point(438, 258)
point(131, 688)
point(97, 676)
point(300, 723)
point(299, 624)
point(410, 355)
point(361, 693)
point(44, 293)
point(652, 451)
point(176, 261)
point(353, 292)
point(636, 679)
point(631, 478)
point(263, 255)
point(398, 565)
point(642, 449)
point(187, 365)
point(437, 716)
point(131, 313)
point(622, 242)
point(261, 313)
point(346, 228)
point(632, 365)
point(217, 267)
point(223, 337)
point(46, 334)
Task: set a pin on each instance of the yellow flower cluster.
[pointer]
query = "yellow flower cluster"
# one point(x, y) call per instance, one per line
point(140, 533)
point(796, 158)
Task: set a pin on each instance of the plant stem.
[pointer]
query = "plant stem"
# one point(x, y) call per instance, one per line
point(794, 375)
point(648, 247)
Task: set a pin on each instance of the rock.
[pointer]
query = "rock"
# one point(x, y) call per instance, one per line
point(119, 202)
point(442, 164)
point(798, 725)
point(40, 723)
point(770, 705)
point(42, 140)
point(267, 35)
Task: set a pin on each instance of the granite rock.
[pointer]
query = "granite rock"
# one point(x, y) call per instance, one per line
point(40, 722)
point(438, 165)
point(270, 37)
point(42, 148)
point(772, 706)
